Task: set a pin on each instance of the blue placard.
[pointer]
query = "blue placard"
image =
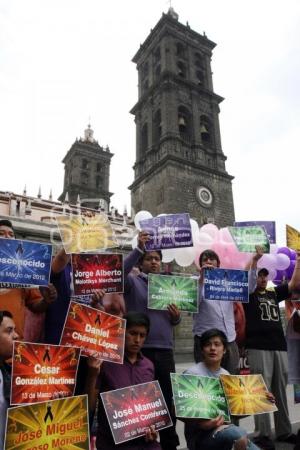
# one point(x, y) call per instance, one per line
point(168, 231)
point(24, 263)
point(269, 226)
point(226, 285)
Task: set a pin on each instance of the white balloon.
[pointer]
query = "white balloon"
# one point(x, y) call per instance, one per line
point(205, 238)
point(168, 255)
point(185, 256)
point(141, 215)
point(195, 230)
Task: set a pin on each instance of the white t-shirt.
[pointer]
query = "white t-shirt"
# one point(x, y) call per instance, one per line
point(200, 369)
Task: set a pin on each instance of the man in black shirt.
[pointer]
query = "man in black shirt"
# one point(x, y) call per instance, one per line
point(266, 345)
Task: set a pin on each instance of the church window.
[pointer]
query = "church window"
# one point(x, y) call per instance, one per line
point(205, 130)
point(180, 50)
point(156, 55)
point(144, 140)
point(84, 164)
point(84, 178)
point(184, 123)
point(157, 127)
point(200, 77)
point(181, 69)
point(199, 60)
point(98, 167)
point(98, 182)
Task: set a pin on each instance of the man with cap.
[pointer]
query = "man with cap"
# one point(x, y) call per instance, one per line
point(266, 346)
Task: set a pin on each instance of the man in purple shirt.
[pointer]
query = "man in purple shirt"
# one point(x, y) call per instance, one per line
point(106, 376)
point(158, 346)
point(215, 314)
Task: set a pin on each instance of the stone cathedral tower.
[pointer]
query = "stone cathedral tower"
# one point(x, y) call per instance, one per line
point(180, 165)
point(87, 169)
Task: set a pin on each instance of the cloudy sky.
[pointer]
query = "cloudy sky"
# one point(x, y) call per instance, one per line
point(63, 61)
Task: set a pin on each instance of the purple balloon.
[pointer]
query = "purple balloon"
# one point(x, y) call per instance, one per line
point(293, 254)
point(290, 270)
point(280, 275)
point(285, 251)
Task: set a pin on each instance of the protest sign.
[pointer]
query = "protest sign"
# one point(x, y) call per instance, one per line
point(62, 424)
point(226, 285)
point(133, 409)
point(81, 234)
point(247, 238)
point(292, 238)
point(168, 231)
point(42, 372)
point(97, 271)
point(95, 332)
point(24, 263)
point(198, 397)
point(166, 289)
point(269, 226)
point(246, 395)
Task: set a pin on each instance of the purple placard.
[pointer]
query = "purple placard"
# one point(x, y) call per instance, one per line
point(269, 226)
point(168, 231)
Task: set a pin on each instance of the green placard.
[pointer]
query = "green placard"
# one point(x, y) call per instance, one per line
point(199, 397)
point(247, 238)
point(166, 289)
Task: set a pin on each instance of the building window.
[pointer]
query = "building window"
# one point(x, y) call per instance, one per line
point(84, 164)
point(144, 140)
point(180, 50)
point(98, 182)
point(200, 77)
point(84, 178)
point(181, 69)
point(156, 55)
point(205, 130)
point(157, 127)
point(199, 62)
point(159, 196)
point(184, 123)
point(98, 167)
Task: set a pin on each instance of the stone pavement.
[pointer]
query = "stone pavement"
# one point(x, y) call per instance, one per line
point(186, 361)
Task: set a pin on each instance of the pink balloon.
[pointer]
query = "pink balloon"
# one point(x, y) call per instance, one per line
point(282, 261)
point(225, 236)
point(205, 238)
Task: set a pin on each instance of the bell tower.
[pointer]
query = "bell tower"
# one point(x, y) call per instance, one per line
point(87, 169)
point(180, 165)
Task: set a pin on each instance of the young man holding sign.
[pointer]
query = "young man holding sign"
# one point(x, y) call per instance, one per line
point(215, 314)
point(105, 376)
point(266, 346)
point(158, 346)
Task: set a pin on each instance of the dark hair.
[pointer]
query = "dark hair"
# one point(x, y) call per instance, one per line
point(6, 223)
point(137, 319)
point(5, 314)
point(143, 256)
point(209, 254)
point(214, 332)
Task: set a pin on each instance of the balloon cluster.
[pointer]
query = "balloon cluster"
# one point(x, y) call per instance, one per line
point(280, 262)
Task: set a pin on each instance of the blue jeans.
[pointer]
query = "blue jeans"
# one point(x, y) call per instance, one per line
point(223, 439)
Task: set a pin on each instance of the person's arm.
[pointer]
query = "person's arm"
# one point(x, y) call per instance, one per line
point(94, 366)
point(251, 266)
point(295, 280)
point(174, 313)
point(111, 303)
point(49, 295)
point(60, 261)
point(133, 258)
